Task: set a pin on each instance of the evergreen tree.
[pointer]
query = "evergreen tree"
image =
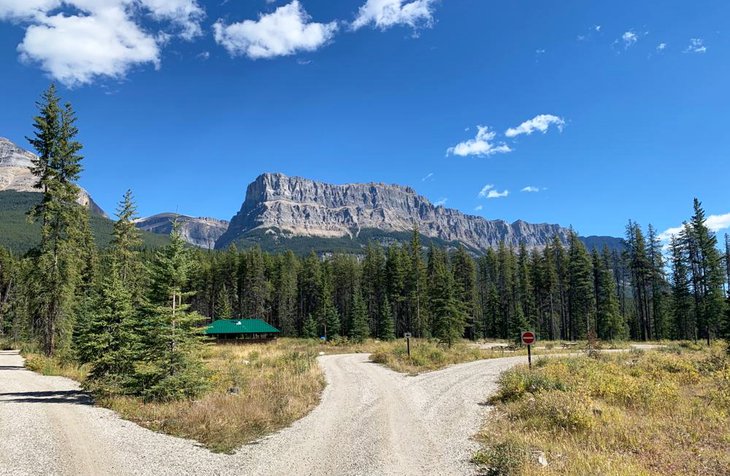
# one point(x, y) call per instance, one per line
point(682, 303)
point(448, 317)
point(170, 366)
point(416, 286)
point(62, 253)
point(465, 282)
point(609, 323)
point(708, 274)
point(328, 316)
point(385, 326)
point(310, 328)
point(659, 286)
point(581, 296)
point(360, 330)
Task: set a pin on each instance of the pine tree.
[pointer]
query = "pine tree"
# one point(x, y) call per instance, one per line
point(609, 324)
point(416, 286)
point(659, 286)
point(170, 366)
point(385, 326)
point(708, 275)
point(448, 316)
point(108, 337)
point(682, 304)
point(581, 295)
point(327, 312)
point(360, 330)
point(63, 251)
point(465, 281)
point(310, 328)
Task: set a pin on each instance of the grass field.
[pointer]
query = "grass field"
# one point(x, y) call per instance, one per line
point(637, 413)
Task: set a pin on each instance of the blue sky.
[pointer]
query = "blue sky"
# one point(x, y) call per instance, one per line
point(608, 110)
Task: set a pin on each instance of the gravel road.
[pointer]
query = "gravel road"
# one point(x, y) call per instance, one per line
point(371, 421)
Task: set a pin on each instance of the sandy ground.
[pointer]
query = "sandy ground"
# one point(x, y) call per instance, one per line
point(371, 421)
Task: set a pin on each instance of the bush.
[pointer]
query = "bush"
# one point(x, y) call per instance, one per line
point(556, 409)
point(514, 384)
point(503, 459)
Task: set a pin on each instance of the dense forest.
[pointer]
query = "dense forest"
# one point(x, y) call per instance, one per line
point(135, 313)
point(563, 291)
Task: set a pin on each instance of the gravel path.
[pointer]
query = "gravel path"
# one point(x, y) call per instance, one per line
point(371, 421)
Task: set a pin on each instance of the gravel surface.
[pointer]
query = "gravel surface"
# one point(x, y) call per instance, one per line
point(371, 421)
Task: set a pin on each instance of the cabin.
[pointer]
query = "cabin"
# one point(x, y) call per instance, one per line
point(241, 330)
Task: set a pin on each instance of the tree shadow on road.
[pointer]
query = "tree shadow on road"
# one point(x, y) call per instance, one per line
point(52, 396)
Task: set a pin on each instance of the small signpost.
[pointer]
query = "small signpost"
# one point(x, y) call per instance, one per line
point(529, 338)
point(407, 335)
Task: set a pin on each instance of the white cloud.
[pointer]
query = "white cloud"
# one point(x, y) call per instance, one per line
point(482, 145)
point(485, 189)
point(540, 52)
point(384, 14)
point(488, 191)
point(718, 222)
point(661, 47)
point(186, 14)
point(713, 222)
point(530, 189)
point(284, 32)
point(597, 28)
point(629, 39)
point(478, 208)
point(78, 41)
point(427, 177)
point(496, 194)
point(538, 123)
point(696, 45)
point(441, 202)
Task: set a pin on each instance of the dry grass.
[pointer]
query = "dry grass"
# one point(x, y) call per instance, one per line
point(427, 355)
point(256, 389)
point(660, 412)
point(45, 365)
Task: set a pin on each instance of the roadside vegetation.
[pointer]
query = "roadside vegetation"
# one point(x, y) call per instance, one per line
point(662, 412)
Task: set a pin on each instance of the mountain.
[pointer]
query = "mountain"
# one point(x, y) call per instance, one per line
point(202, 232)
point(15, 174)
point(18, 196)
point(292, 212)
point(600, 242)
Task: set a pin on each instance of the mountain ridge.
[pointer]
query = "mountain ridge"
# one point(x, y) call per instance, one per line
point(284, 207)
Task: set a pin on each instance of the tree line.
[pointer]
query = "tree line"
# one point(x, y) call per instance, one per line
point(135, 315)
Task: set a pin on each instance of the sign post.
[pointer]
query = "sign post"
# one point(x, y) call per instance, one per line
point(529, 338)
point(407, 335)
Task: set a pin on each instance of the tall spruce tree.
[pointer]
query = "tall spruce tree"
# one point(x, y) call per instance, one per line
point(170, 367)
point(63, 250)
point(385, 326)
point(581, 295)
point(359, 329)
point(682, 304)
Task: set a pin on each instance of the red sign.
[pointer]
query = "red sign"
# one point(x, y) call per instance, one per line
point(528, 337)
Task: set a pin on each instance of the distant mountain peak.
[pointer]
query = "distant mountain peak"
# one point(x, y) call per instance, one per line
point(15, 173)
point(299, 207)
point(199, 231)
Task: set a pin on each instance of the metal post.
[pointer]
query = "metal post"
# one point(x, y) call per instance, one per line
point(408, 346)
point(529, 356)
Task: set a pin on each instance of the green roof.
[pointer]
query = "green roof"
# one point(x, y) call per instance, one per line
point(240, 326)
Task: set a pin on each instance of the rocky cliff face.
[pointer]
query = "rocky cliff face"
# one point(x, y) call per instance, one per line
point(293, 206)
point(202, 232)
point(15, 174)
